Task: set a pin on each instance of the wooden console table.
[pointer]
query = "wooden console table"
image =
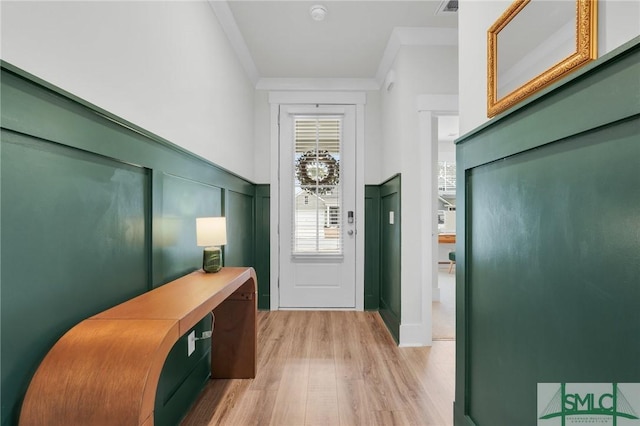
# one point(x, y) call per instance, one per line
point(105, 370)
point(447, 238)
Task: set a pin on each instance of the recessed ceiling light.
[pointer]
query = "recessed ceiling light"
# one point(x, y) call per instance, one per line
point(318, 12)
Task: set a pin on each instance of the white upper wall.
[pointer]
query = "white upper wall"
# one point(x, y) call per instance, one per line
point(419, 70)
point(373, 139)
point(164, 66)
point(262, 137)
point(618, 22)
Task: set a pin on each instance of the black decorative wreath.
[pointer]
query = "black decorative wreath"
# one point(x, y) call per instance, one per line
point(317, 171)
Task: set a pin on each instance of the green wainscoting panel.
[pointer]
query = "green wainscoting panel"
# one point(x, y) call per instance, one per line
point(96, 210)
point(372, 247)
point(390, 255)
point(263, 245)
point(239, 250)
point(547, 272)
point(74, 243)
point(183, 200)
point(549, 238)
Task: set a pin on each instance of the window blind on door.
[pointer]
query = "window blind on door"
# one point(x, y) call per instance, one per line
point(317, 204)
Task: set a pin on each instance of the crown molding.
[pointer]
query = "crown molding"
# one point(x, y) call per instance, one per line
point(230, 27)
point(405, 36)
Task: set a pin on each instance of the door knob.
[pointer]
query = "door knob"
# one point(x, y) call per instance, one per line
point(350, 232)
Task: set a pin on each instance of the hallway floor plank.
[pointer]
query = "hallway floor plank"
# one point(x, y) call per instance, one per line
point(333, 368)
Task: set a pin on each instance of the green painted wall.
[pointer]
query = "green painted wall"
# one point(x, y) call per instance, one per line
point(182, 200)
point(390, 255)
point(372, 247)
point(262, 245)
point(94, 212)
point(547, 271)
point(239, 211)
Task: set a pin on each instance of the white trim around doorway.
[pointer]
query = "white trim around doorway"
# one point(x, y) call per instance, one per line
point(428, 107)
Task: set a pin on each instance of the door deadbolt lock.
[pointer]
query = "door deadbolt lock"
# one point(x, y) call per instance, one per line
point(350, 217)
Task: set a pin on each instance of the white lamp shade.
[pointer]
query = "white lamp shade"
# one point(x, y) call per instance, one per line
point(211, 231)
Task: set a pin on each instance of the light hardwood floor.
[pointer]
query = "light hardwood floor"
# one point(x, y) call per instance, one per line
point(333, 368)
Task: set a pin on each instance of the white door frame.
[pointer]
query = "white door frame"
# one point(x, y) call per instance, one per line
point(429, 107)
point(306, 98)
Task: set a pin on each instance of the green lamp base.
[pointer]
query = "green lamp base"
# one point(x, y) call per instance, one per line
point(212, 259)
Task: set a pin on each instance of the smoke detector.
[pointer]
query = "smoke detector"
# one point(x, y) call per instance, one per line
point(318, 12)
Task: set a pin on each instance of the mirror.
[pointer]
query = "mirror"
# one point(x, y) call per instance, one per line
point(534, 43)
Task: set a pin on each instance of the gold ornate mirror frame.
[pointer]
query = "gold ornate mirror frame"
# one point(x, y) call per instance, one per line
point(586, 51)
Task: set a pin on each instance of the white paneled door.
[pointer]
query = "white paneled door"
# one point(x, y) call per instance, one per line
point(317, 206)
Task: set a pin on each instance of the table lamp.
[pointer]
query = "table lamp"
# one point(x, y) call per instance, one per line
point(211, 233)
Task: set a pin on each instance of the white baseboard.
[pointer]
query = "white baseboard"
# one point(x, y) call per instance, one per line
point(412, 335)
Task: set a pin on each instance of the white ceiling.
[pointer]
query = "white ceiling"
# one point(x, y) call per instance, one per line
point(357, 41)
point(280, 40)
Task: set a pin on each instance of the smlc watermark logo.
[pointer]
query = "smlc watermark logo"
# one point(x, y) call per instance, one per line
point(563, 404)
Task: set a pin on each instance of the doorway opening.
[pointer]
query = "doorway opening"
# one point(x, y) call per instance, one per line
point(443, 306)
